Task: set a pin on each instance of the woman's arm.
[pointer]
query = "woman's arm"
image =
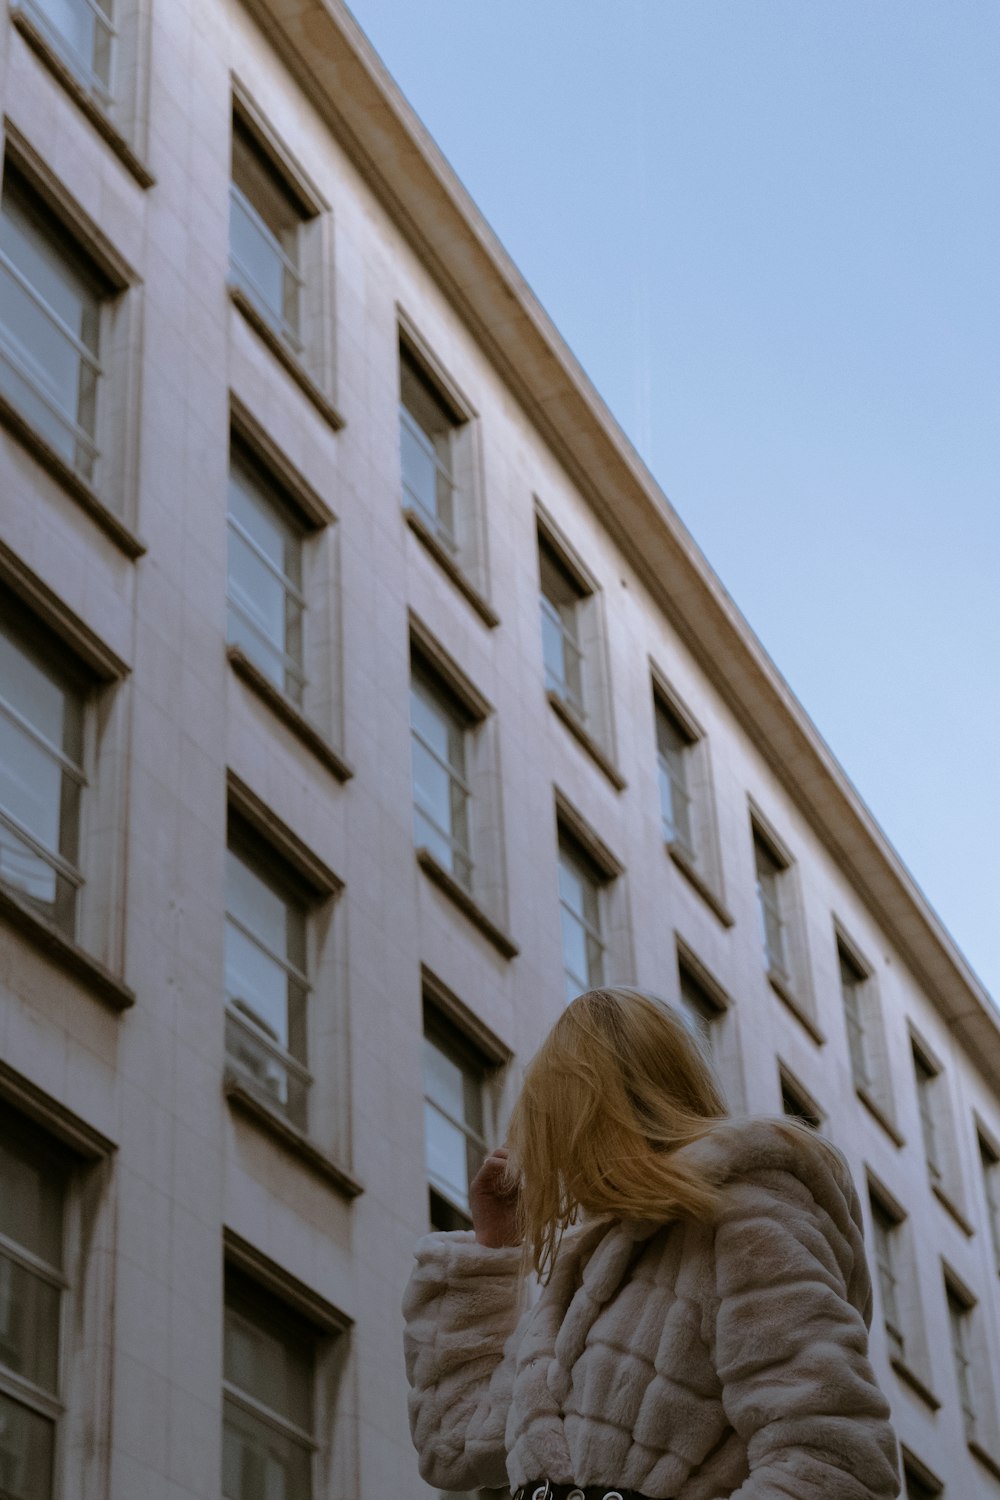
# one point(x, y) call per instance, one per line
point(461, 1305)
point(791, 1339)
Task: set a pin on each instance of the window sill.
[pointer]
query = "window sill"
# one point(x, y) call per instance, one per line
point(46, 53)
point(289, 715)
point(985, 1457)
point(683, 861)
point(83, 493)
point(953, 1208)
point(293, 1140)
point(65, 953)
point(915, 1383)
point(798, 1010)
point(460, 896)
point(593, 749)
point(878, 1113)
point(447, 563)
point(286, 358)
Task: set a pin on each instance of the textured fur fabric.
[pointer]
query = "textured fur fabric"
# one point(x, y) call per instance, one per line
point(726, 1360)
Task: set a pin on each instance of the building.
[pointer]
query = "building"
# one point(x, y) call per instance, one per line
point(360, 693)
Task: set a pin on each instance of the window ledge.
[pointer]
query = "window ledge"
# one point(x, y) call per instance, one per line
point(243, 1098)
point(46, 53)
point(798, 1010)
point(85, 495)
point(913, 1380)
point(684, 863)
point(292, 366)
point(289, 715)
point(878, 1113)
point(65, 953)
point(447, 563)
point(581, 735)
point(457, 893)
point(985, 1457)
point(947, 1202)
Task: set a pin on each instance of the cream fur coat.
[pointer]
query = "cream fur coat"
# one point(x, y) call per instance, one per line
point(717, 1361)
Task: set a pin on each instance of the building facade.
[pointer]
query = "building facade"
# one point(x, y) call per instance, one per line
point(361, 698)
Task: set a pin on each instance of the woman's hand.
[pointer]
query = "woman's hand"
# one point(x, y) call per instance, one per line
point(493, 1204)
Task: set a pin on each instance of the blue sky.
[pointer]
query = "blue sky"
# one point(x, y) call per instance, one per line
point(770, 232)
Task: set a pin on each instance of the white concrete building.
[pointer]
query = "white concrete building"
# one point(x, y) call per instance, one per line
point(359, 694)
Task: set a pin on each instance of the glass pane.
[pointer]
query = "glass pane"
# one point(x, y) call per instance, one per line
point(257, 265)
point(264, 1361)
point(259, 1463)
point(257, 178)
point(431, 787)
point(49, 270)
point(447, 1162)
point(26, 1446)
point(575, 950)
point(84, 35)
point(552, 653)
point(571, 884)
point(31, 1200)
point(419, 472)
point(256, 1065)
point(444, 1080)
point(434, 724)
point(256, 590)
point(29, 1324)
point(257, 985)
point(426, 836)
point(254, 903)
point(259, 515)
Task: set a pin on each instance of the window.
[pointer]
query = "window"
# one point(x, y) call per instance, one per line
point(698, 1002)
point(990, 1160)
point(960, 1308)
point(796, 1103)
point(269, 1418)
point(562, 651)
point(580, 905)
point(919, 1483)
point(885, 1251)
point(41, 771)
point(267, 983)
point(770, 869)
point(852, 982)
point(32, 1191)
point(266, 599)
point(83, 34)
point(441, 788)
point(673, 747)
point(265, 223)
point(454, 1120)
point(51, 296)
point(926, 1075)
point(427, 428)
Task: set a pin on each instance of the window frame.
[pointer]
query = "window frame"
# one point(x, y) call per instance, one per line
point(440, 1031)
point(309, 358)
point(961, 1305)
point(93, 949)
point(461, 548)
point(698, 857)
point(428, 686)
point(289, 864)
point(791, 980)
point(795, 1093)
point(989, 1159)
point(717, 1002)
point(887, 1220)
point(590, 717)
point(597, 864)
point(109, 493)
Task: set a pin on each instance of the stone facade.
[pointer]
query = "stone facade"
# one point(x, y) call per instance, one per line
point(171, 1162)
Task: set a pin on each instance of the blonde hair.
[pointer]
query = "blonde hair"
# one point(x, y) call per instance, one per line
point(617, 1085)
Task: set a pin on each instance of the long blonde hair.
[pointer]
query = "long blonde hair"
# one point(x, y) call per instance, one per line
point(617, 1085)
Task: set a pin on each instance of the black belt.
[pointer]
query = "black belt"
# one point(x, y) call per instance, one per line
point(544, 1489)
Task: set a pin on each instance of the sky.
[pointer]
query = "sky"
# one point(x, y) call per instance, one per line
point(770, 232)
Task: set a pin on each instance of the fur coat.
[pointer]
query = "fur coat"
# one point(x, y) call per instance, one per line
point(721, 1360)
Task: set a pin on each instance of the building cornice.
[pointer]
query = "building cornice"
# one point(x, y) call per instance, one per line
point(336, 66)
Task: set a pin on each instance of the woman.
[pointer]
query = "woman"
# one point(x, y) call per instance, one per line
point(701, 1332)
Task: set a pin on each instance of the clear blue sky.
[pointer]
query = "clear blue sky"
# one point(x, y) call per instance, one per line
point(770, 232)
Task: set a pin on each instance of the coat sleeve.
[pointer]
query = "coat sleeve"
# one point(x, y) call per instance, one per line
point(461, 1305)
point(791, 1339)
